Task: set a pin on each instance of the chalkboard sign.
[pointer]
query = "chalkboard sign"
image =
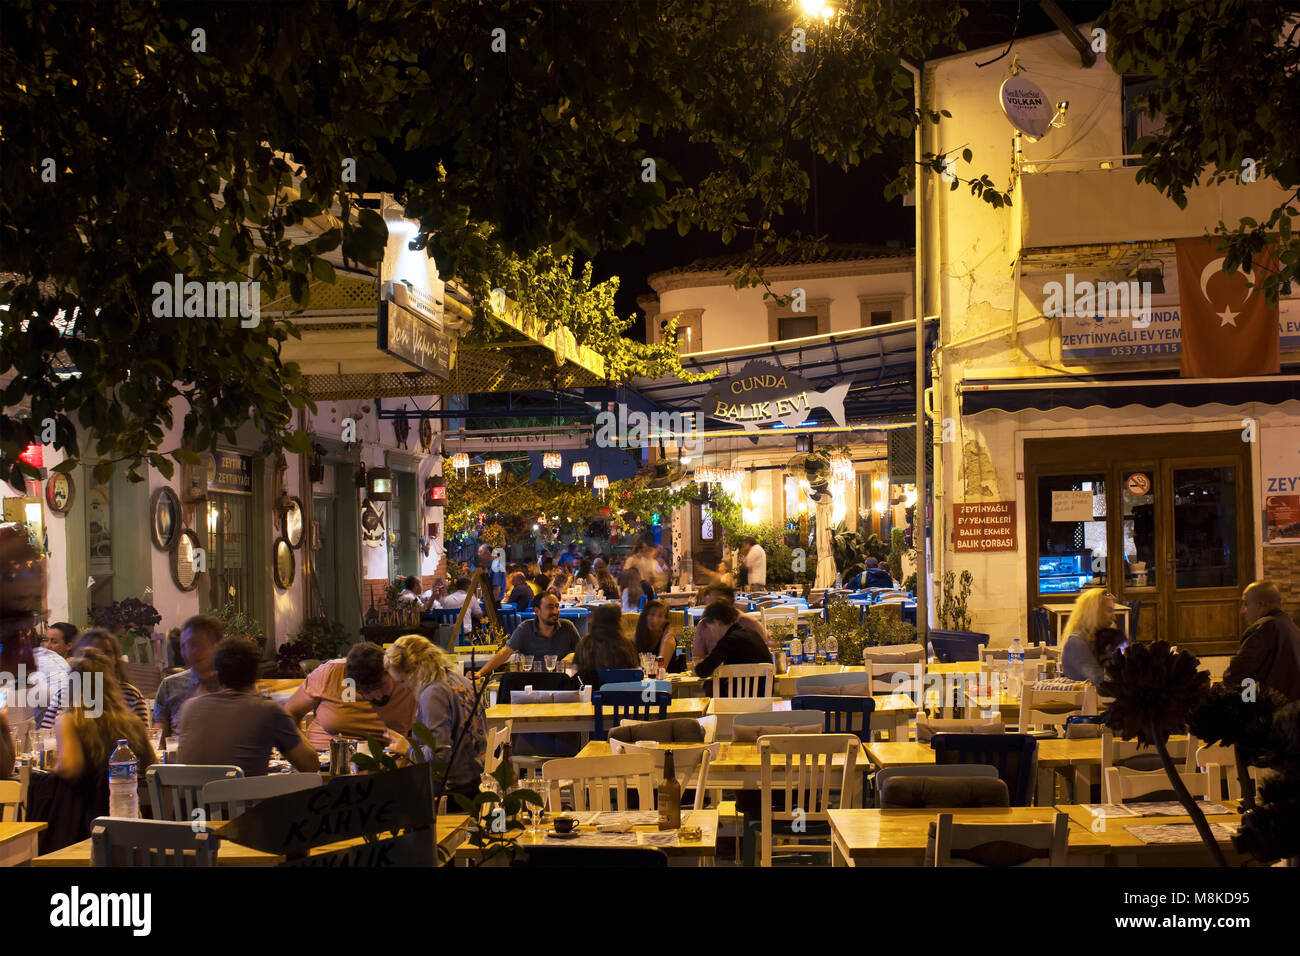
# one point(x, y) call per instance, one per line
point(409, 849)
point(345, 807)
point(407, 334)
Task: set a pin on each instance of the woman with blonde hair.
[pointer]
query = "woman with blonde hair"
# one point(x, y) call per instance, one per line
point(446, 704)
point(88, 732)
point(1094, 612)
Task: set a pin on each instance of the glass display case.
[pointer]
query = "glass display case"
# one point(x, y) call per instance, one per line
point(1064, 573)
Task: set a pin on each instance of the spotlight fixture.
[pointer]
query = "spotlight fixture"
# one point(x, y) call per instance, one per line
point(380, 484)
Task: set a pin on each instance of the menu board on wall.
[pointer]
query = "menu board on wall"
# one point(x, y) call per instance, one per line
point(1280, 454)
point(984, 526)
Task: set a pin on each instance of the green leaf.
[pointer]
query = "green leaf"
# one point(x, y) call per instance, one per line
point(322, 271)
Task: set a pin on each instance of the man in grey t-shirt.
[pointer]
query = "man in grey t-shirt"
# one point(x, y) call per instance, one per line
point(235, 725)
point(543, 635)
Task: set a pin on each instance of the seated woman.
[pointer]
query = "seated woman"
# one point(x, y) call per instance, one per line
point(1094, 610)
point(604, 646)
point(1087, 660)
point(87, 733)
point(447, 705)
point(106, 643)
point(653, 633)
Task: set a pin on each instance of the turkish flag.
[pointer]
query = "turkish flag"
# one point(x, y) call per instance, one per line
point(1229, 331)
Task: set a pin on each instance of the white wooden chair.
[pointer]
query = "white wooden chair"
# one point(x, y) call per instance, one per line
point(228, 797)
point(780, 614)
point(593, 779)
point(724, 710)
point(1053, 706)
point(176, 790)
point(970, 844)
point(1220, 763)
point(1122, 785)
point(744, 680)
point(496, 740)
point(686, 760)
point(893, 677)
point(11, 798)
point(115, 842)
point(799, 766)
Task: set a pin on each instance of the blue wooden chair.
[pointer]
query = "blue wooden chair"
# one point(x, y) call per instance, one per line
point(842, 713)
point(1042, 624)
point(618, 675)
point(627, 705)
point(509, 619)
point(1015, 756)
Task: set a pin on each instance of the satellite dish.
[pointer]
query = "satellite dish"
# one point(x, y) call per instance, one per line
point(1026, 106)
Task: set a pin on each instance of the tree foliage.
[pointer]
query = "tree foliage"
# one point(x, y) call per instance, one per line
point(1229, 90)
point(516, 133)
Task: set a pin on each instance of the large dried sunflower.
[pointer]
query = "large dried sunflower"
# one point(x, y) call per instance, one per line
point(1155, 691)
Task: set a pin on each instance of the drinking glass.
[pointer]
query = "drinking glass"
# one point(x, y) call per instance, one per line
point(526, 660)
point(550, 660)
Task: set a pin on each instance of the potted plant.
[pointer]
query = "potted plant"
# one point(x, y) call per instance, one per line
point(129, 619)
point(954, 633)
point(237, 623)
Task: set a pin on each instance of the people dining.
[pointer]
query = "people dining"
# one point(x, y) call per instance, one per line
point(234, 725)
point(456, 600)
point(106, 643)
point(604, 647)
point(60, 638)
point(1088, 660)
point(605, 582)
point(1094, 609)
point(542, 635)
point(447, 706)
point(87, 733)
point(1269, 652)
point(707, 638)
point(411, 592)
point(633, 588)
point(875, 576)
point(733, 642)
point(200, 636)
point(754, 561)
point(45, 672)
point(521, 595)
point(373, 705)
point(654, 635)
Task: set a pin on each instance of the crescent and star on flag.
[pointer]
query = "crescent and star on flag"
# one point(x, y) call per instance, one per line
point(1227, 316)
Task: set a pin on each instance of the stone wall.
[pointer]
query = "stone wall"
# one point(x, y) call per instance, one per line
point(1282, 567)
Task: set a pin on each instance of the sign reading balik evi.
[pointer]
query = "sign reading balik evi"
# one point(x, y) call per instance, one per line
point(763, 394)
point(410, 329)
point(518, 439)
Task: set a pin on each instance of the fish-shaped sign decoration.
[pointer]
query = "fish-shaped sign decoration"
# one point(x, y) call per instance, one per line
point(763, 394)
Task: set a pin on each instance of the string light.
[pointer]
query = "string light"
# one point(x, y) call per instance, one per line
point(600, 483)
point(581, 470)
point(551, 460)
point(492, 468)
point(460, 461)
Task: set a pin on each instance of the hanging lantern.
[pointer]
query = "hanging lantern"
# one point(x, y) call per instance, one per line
point(492, 469)
point(460, 461)
point(600, 483)
point(580, 471)
point(551, 460)
point(841, 467)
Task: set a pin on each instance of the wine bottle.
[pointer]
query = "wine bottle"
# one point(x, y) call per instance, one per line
point(670, 797)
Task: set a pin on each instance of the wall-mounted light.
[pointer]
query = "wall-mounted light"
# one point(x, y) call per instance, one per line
point(435, 493)
point(380, 484)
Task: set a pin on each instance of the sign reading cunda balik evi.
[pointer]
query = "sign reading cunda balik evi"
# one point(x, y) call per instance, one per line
point(763, 394)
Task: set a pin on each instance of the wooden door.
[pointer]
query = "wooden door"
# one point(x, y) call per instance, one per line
point(1137, 534)
point(1208, 550)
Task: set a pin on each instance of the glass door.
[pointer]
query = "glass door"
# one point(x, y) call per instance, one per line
point(1204, 559)
point(1137, 539)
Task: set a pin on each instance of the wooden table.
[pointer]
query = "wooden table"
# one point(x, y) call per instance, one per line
point(898, 837)
point(1061, 613)
point(451, 832)
point(736, 767)
point(685, 853)
point(572, 718)
point(1081, 758)
point(279, 689)
point(18, 842)
point(787, 684)
point(1125, 849)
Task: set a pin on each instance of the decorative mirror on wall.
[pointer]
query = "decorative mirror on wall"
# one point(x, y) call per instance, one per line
point(164, 518)
point(284, 564)
point(184, 573)
point(291, 521)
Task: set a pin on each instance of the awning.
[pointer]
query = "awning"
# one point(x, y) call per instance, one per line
point(1152, 390)
point(880, 363)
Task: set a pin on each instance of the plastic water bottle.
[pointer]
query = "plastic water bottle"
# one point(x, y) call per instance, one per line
point(832, 650)
point(810, 650)
point(1016, 662)
point(796, 651)
point(123, 775)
